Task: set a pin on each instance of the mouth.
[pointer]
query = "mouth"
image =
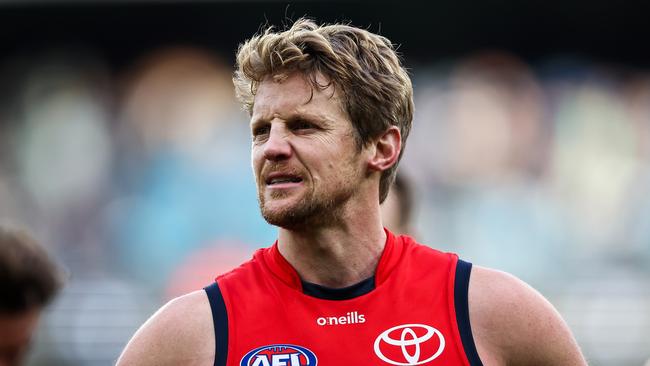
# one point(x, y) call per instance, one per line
point(277, 179)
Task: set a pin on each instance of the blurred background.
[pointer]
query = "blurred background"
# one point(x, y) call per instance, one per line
point(123, 150)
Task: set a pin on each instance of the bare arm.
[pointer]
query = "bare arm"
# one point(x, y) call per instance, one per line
point(515, 325)
point(180, 333)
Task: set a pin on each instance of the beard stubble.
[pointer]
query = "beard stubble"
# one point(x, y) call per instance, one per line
point(313, 209)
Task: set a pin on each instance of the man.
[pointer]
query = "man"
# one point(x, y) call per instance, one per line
point(331, 108)
point(28, 281)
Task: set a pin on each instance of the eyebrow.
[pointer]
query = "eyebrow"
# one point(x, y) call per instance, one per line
point(313, 118)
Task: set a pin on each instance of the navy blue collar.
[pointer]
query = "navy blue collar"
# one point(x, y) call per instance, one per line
point(345, 293)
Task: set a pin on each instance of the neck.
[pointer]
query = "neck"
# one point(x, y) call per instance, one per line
point(339, 255)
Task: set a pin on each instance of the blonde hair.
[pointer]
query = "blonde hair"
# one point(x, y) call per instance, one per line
point(377, 91)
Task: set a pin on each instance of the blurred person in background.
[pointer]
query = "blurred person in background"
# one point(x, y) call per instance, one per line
point(397, 208)
point(29, 280)
point(480, 148)
point(178, 115)
point(331, 108)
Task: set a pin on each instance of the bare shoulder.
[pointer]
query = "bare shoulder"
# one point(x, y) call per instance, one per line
point(514, 324)
point(179, 333)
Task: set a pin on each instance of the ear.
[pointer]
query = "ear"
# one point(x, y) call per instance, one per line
point(385, 150)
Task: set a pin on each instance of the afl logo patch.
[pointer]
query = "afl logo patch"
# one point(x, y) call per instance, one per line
point(280, 355)
point(409, 344)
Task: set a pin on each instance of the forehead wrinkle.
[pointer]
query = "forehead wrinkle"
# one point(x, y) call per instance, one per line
point(269, 103)
point(270, 113)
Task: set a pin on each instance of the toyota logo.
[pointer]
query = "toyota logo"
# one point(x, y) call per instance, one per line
point(413, 347)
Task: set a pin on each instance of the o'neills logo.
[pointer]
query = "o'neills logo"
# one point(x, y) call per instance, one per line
point(352, 317)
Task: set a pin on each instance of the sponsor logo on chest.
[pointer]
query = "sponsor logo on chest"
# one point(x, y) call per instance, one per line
point(280, 355)
point(402, 345)
point(409, 344)
point(352, 317)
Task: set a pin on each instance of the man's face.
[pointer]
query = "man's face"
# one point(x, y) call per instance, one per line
point(15, 335)
point(305, 159)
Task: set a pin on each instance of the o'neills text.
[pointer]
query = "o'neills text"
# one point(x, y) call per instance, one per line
point(352, 317)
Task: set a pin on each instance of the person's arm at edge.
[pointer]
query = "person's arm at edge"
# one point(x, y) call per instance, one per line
point(513, 324)
point(179, 333)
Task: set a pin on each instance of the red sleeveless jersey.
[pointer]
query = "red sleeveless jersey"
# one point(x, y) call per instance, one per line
point(412, 312)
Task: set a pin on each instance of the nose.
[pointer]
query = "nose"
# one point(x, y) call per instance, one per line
point(277, 147)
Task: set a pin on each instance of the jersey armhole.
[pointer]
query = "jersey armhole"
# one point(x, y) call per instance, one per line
point(220, 321)
point(461, 304)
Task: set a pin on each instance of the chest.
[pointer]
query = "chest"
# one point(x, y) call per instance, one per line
point(401, 322)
